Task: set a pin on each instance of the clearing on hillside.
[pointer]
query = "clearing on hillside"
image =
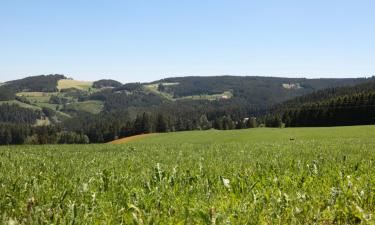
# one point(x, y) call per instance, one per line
point(91, 106)
point(154, 88)
point(67, 83)
point(21, 104)
point(37, 96)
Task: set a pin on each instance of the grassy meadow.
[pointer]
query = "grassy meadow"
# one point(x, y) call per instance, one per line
point(253, 176)
point(92, 106)
point(67, 83)
point(154, 88)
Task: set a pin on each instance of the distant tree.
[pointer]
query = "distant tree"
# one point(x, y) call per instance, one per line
point(274, 121)
point(7, 94)
point(228, 123)
point(218, 123)
point(130, 87)
point(106, 83)
point(161, 87)
point(126, 130)
point(48, 112)
point(179, 125)
point(7, 137)
point(146, 123)
point(161, 124)
point(240, 124)
point(252, 122)
point(138, 125)
point(204, 124)
point(32, 140)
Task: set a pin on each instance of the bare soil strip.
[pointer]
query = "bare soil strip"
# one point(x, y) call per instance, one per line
point(129, 139)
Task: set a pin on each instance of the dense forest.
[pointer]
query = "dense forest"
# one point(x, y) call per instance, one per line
point(42, 83)
point(167, 106)
point(26, 134)
point(106, 83)
point(260, 91)
point(16, 114)
point(330, 107)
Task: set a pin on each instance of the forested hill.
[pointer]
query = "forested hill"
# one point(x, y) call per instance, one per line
point(332, 92)
point(259, 91)
point(57, 109)
point(352, 105)
point(42, 83)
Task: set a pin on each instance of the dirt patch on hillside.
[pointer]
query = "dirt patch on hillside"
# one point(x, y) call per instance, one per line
point(129, 139)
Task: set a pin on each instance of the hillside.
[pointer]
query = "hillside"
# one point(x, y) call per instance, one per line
point(54, 93)
point(259, 91)
point(330, 107)
point(105, 110)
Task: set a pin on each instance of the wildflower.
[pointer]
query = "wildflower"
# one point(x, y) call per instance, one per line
point(226, 183)
point(85, 187)
point(350, 184)
point(301, 196)
point(315, 171)
point(12, 222)
point(213, 215)
point(30, 204)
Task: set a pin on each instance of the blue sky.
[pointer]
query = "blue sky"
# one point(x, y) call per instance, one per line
point(148, 40)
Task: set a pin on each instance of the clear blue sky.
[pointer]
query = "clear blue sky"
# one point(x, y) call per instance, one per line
point(147, 40)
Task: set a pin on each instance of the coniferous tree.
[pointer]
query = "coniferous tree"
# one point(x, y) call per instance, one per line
point(161, 124)
point(252, 122)
point(204, 124)
point(146, 123)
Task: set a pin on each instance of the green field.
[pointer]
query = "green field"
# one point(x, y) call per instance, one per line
point(21, 104)
point(213, 97)
point(254, 176)
point(67, 83)
point(37, 97)
point(94, 107)
point(154, 88)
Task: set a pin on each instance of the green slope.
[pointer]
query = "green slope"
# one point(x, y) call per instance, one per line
point(94, 107)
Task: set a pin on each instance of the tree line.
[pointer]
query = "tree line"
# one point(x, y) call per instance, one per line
point(26, 134)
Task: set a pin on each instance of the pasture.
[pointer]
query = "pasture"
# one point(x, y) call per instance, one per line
point(67, 83)
point(254, 176)
point(154, 88)
point(92, 106)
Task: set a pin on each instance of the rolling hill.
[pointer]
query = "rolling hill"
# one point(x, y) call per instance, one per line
point(105, 110)
point(352, 105)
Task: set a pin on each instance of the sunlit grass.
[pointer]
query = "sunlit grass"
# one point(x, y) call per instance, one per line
point(259, 176)
point(81, 85)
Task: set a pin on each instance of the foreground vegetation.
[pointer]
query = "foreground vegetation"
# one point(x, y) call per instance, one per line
point(272, 176)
